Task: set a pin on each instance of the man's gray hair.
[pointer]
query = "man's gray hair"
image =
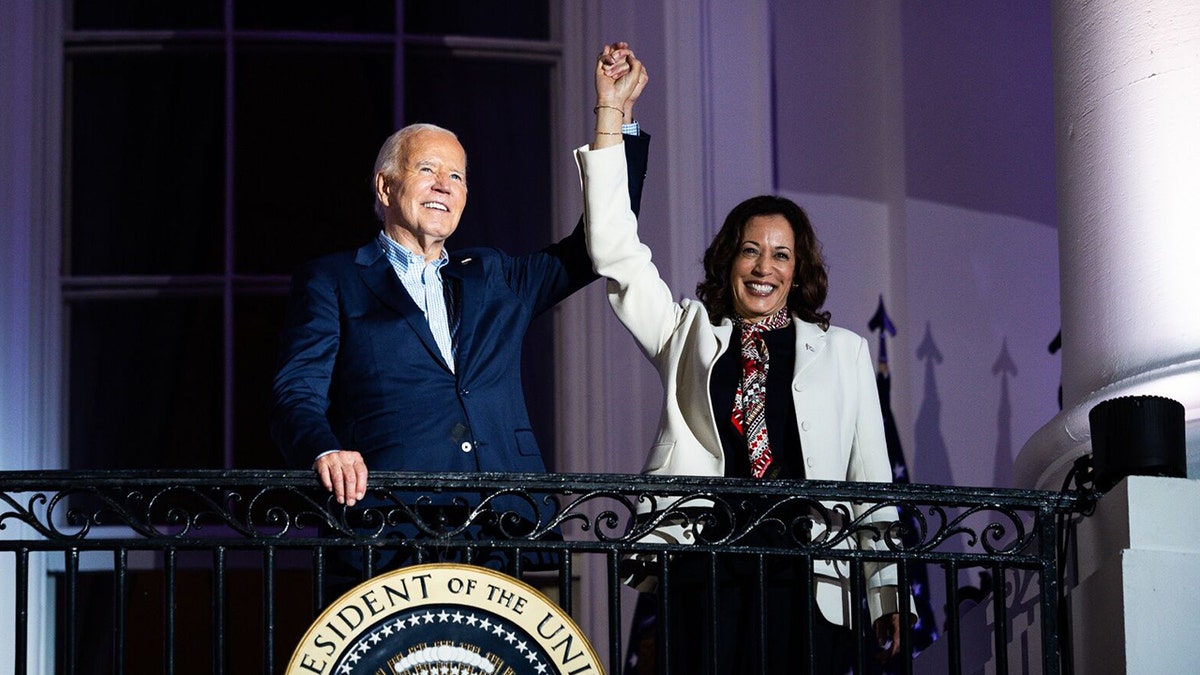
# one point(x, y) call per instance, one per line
point(388, 160)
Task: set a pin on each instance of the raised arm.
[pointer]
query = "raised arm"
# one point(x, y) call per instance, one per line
point(638, 295)
point(564, 267)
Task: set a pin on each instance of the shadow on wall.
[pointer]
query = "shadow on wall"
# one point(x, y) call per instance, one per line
point(931, 458)
point(1002, 473)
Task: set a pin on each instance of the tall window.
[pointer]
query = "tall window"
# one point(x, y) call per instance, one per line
point(211, 146)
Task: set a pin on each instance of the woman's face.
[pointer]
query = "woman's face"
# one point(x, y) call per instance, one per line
point(763, 267)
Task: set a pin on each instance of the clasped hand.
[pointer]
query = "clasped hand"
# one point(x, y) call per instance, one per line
point(620, 79)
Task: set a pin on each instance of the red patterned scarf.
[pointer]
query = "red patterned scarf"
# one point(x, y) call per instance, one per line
point(750, 402)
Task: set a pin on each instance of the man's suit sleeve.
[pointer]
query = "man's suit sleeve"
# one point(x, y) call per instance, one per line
point(566, 265)
point(307, 352)
point(637, 157)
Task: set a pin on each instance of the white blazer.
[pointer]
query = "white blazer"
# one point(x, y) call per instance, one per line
point(833, 386)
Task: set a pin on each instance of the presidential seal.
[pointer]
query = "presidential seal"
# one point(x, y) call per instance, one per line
point(444, 619)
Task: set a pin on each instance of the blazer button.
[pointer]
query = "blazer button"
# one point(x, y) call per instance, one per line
point(464, 392)
point(466, 446)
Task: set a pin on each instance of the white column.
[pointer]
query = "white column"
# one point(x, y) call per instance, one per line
point(1127, 101)
point(30, 77)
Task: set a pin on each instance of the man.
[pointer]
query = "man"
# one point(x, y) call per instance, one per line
point(404, 356)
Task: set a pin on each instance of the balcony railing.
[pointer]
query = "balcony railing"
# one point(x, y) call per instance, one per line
point(222, 572)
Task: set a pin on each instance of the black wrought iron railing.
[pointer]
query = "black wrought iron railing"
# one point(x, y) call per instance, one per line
point(222, 572)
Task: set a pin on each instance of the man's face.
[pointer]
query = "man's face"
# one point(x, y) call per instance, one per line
point(425, 202)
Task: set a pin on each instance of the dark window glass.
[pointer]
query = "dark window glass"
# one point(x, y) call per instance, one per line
point(370, 16)
point(257, 320)
point(146, 14)
point(146, 162)
point(146, 384)
point(522, 19)
point(501, 113)
point(310, 122)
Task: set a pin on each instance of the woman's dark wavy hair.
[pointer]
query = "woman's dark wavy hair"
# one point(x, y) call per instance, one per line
point(805, 299)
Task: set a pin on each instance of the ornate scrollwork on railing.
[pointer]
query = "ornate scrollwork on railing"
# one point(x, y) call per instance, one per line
point(631, 512)
point(613, 511)
point(24, 513)
point(280, 511)
point(810, 523)
point(995, 528)
point(168, 511)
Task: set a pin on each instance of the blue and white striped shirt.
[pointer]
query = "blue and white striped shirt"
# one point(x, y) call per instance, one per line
point(424, 284)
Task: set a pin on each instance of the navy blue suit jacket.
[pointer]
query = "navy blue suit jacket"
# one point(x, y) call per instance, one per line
point(359, 368)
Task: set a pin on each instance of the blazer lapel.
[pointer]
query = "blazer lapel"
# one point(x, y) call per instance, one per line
point(697, 396)
point(378, 275)
point(810, 342)
point(724, 333)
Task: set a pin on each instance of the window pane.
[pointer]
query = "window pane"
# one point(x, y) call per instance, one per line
point(372, 16)
point(523, 19)
point(145, 389)
point(146, 14)
point(146, 162)
point(257, 320)
point(310, 123)
point(501, 113)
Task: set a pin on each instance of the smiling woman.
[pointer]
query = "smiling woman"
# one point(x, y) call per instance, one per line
point(758, 385)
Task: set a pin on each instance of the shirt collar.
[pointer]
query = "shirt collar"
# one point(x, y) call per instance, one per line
point(404, 258)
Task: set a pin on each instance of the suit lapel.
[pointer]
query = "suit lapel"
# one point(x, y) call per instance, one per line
point(464, 276)
point(378, 275)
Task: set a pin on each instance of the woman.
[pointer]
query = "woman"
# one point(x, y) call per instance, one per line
point(756, 384)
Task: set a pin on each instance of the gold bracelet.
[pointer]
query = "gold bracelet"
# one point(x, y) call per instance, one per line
point(610, 133)
point(596, 110)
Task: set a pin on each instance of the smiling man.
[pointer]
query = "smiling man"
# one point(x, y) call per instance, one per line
point(405, 356)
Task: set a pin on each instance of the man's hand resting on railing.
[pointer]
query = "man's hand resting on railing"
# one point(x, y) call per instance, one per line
point(344, 473)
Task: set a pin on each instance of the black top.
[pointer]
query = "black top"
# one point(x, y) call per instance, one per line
point(787, 457)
